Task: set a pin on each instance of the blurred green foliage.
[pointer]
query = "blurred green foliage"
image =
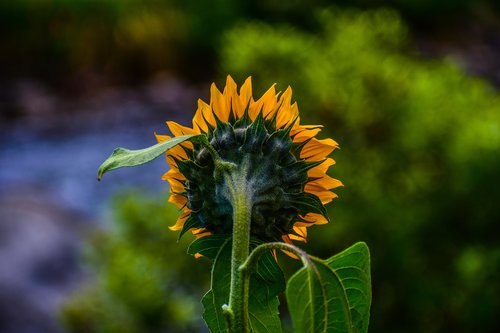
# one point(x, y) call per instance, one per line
point(420, 161)
point(145, 280)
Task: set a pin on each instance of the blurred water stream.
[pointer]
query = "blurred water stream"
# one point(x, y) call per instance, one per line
point(49, 195)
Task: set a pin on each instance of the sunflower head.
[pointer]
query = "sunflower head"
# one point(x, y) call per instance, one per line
point(283, 163)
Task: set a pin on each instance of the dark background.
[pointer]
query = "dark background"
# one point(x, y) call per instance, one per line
point(408, 88)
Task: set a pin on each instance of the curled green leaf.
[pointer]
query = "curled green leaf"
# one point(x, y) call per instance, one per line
point(122, 157)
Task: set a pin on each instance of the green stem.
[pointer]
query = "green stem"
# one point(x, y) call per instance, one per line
point(249, 265)
point(236, 313)
point(222, 168)
point(240, 197)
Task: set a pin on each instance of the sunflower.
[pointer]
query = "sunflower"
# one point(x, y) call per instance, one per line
point(287, 165)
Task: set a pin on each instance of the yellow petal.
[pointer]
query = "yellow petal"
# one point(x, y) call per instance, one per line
point(231, 96)
point(267, 103)
point(285, 113)
point(326, 182)
point(173, 173)
point(285, 99)
point(245, 96)
point(302, 133)
point(324, 195)
point(176, 186)
point(301, 232)
point(180, 222)
point(178, 152)
point(315, 218)
point(302, 127)
point(316, 150)
point(320, 170)
point(200, 232)
point(208, 113)
point(199, 122)
point(218, 104)
point(303, 224)
point(297, 238)
point(286, 239)
point(177, 199)
point(161, 137)
point(179, 130)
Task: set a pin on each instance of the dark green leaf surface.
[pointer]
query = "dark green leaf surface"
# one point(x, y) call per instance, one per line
point(332, 295)
point(317, 301)
point(122, 157)
point(265, 285)
point(219, 292)
point(207, 246)
point(306, 202)
point(353, 268)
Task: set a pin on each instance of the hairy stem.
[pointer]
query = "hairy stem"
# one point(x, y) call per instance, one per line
point(240, 197)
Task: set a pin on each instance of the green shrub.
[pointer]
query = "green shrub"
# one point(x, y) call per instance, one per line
point(420, 158)
point(145, 282)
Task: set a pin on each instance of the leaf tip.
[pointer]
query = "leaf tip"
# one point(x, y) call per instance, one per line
point(100, 172)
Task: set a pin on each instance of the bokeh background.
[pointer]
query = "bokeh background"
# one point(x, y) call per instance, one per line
point(409, 88)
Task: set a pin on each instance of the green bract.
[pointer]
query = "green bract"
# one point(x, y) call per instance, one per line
point(260, 147)
point(275, 175)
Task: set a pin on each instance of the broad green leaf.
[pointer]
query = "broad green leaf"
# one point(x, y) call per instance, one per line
point(219, 292)
point(265, 284)
point(317, 301)
point(353, 268)
point(332, 295)
point(122, 157)
point(208, 246)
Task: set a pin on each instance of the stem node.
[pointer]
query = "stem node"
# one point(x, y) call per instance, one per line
point(228, 317)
